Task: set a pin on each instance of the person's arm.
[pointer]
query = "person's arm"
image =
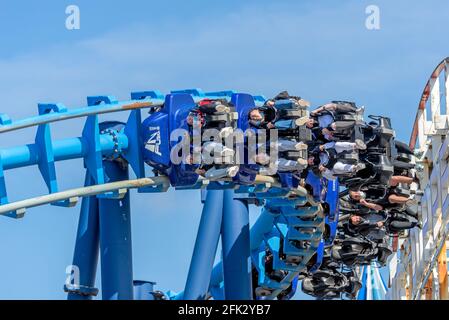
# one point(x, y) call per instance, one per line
point(366, 226)
point(370, 205)
point(270, 125)
point(200, 171)
point(370, 224)
point(327, 132)
point(379, 224)
point(257, 124)
point(324, 107)
point(331, 163)
point(332, 155)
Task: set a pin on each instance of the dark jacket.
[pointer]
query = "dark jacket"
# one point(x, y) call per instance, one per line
point(363, 228)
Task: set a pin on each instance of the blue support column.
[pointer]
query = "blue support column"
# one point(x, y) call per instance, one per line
point(143, 290)
point(261, 227)
point(85, 257)
point(236, 248)
point(3, 195)
point(115, 240)
point(203, 257)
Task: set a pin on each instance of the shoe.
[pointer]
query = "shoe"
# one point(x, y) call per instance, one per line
point(360, 110)
point(232, 171)
point(360, 145)
point(417, 192)
point(262, 292)
point(301, 121)
point(226, 132)
point(417, 153)
point(197, 149)
point(411, 202)
point(302, 276)
point(222, 108)
point(227, 152)
point(300, 146)
point(262, 158)
point(415, 177)
point(293, 259)
point(302, 162)
point(159, 295)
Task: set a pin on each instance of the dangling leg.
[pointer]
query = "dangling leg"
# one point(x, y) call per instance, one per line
point(289, 145)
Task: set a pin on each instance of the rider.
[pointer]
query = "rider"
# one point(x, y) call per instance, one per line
point(363, 226)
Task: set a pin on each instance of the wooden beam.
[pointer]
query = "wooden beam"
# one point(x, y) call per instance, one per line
point(442, 273)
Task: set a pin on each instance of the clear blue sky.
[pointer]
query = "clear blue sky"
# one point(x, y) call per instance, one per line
point(320, 50)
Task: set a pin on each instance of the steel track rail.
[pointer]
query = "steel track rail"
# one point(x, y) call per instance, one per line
point(79, 113)
point(122, 186)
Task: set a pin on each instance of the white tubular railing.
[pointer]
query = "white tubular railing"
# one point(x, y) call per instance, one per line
point(122, 186)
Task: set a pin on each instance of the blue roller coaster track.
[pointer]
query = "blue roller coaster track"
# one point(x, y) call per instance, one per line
point(292, 231)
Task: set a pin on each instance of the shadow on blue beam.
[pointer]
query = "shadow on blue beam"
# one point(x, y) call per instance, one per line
point(3, 195)
point(85, 257)
point(143, 290)
point(91, 134)
point(202, 262)
point(332, 199)
point(236, 248)
point(115, 240)
point(45, 149)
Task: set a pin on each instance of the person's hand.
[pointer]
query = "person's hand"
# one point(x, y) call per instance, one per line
point(250, 133)
point(373, 206)
point(364, 202)
point(326, 131)
point(380, 224)
point(270, 125)
point(200, 172)
point(322, 147)
point(377, 207)
point(321, 168)
point(270, 103)
point(189, 159)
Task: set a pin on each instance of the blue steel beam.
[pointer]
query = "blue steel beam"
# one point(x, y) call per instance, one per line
point(263, 225)
point(43, 141)
point(206, 243)
point(115, 240)
point(143, 290)
point(236, 248)
point(93, 160)
point(3, 195)
point(65, 149)
point(85, 257)
point(134, 154)
point(259, 230)
point(4, 119)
